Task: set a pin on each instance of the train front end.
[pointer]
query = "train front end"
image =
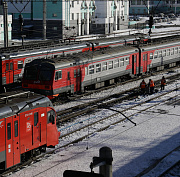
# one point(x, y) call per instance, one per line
point(38, 77)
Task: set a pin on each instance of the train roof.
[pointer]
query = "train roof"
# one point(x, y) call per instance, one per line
point(12, 103)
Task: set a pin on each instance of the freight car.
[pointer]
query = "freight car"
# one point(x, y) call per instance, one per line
point(27, 127)
point(79, 71)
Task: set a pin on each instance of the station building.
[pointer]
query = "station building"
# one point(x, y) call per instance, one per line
point(70, 18)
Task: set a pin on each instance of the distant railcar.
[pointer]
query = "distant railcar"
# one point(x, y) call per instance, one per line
point(77, 72)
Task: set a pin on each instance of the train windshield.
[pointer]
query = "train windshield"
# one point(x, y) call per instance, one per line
point(30, 73)
point(45, 73)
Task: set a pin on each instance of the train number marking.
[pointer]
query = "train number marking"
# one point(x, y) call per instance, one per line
point(28, 126)
point(42, 115)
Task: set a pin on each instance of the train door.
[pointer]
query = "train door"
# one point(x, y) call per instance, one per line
point(9, 73)
point(15, 133)
point(77, 79)
point(9, 143)
point(36, 129)
point(145, 62)
point(134, 64)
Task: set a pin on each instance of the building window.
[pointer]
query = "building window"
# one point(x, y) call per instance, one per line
point(72, 16)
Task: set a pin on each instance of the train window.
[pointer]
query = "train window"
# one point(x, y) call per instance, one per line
point(179, 49)
point(68, 75)
point(98, 68)
point(51, 117)
point(160, 53)
point(127, 60)
point(9, 131)
point(35, 118)
point(176, 50)
point(151, 56)
point(155, 55)
point(172, 51)
point(75, 73)
point(31, 73)
point(20, 64)
point(104, 66)
point(116, 63)
point(78, 72)
point(58, 75)
point(16, 128)
point(168, 52)
point(110, 64)
point(7, 66)
point(11, 66)
point(86, 70)
point(45, 74)
point(164, 53)
point(122, 62)
point(91, 69)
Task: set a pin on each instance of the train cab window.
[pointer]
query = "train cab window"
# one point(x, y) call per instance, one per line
point(110, 64)
point(7, 66)
point(176, 50)
point(30, 73)
point(91, 69)
point(16, 128)
point(104, 66)
point(45, 74)
point(51, 117)
point(116, 63)
point(98, 68)
point(155, 55)
point(58, 75)
point(9, 131)
point(35, 118)
point(75, 73)
point(151, 56)
point(20, 64)
point(122, 62)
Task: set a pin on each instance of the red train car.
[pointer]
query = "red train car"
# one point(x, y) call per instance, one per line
point(27, 127)
point(78, 72)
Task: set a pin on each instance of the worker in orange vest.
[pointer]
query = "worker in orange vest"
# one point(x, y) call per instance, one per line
point(151, 86)
point(143, 87)
point(163, 83)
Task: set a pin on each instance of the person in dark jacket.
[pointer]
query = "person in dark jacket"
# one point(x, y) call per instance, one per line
point(143, 87)
point(163, 83)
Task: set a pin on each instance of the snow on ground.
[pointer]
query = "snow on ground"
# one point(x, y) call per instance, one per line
point(134, 148)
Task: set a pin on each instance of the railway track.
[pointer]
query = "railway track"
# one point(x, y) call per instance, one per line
point(89, 106)
point(96, 124)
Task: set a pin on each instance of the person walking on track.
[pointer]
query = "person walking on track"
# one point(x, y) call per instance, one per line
point(163, 83)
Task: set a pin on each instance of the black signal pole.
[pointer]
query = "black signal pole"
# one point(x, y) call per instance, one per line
point(5, 18)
